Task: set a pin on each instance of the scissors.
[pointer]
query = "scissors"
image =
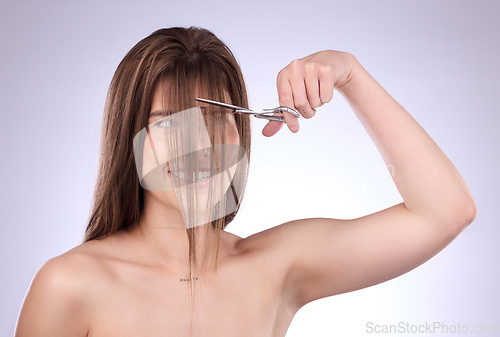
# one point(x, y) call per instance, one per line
point(264, 114)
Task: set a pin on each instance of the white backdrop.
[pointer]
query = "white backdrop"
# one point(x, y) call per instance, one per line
point(438, 59)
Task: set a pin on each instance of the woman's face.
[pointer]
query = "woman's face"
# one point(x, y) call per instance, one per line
point(160, 119)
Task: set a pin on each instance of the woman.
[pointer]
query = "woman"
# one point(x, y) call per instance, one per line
point(133, 274)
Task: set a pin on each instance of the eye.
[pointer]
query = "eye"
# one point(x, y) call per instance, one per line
point(164, 123)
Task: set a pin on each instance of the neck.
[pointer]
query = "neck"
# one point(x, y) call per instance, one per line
point(163, 235)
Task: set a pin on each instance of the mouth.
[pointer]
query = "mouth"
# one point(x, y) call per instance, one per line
point(182, 178)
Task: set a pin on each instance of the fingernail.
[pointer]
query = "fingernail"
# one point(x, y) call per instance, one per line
point(295, 128)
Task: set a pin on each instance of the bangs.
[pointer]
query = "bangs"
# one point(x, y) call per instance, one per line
point(183, 82)
point(179, 87)
point(202, 139)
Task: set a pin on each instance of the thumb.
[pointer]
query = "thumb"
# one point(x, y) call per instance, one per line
point(272, 127)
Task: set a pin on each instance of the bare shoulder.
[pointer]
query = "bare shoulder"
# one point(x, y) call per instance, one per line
point(80, 266)
point(59, 299)
point(272, 239)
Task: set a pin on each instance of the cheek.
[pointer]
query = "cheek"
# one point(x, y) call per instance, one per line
point(232, 135)
point(153, 153)
point(162, 153)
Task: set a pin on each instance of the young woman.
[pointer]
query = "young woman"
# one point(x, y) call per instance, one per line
point(130, 278)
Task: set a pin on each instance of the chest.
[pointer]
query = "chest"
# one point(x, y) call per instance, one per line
point(240, 299)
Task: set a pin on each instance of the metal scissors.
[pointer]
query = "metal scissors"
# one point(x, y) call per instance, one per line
point(264, 114)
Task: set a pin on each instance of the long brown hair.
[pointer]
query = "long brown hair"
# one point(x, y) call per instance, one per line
point(184, 59)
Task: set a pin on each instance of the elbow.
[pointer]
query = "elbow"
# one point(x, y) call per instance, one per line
point(463, 215)
point(471, 212)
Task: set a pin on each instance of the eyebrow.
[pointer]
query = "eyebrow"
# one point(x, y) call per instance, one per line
point(170, 112)
point(160, 113)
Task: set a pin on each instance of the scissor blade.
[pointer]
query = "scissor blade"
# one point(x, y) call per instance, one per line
point(224, 105)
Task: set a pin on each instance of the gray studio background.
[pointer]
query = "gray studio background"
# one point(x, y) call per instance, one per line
point(438, 59)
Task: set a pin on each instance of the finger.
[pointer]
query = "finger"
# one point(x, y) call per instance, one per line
point(272, 127)
point(298, 86)
point(326, 83)
point(312, 91)
point(285, 97)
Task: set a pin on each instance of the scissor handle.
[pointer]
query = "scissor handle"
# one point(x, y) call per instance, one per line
point(283, 108)
point(271, 118)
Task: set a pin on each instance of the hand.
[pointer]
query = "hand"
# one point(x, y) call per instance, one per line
point(308, 83)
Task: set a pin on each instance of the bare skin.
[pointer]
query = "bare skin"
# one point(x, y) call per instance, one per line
point(130, 283)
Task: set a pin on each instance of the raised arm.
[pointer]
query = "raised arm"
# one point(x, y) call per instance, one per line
point(329, 256)
point(429, 184)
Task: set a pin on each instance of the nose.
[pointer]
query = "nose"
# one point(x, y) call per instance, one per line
point(205, 153)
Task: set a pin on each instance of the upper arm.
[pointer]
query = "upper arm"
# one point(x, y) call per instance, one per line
point(54, 305)
point(326, 257)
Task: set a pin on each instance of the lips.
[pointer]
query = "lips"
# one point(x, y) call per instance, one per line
point(182, 178)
